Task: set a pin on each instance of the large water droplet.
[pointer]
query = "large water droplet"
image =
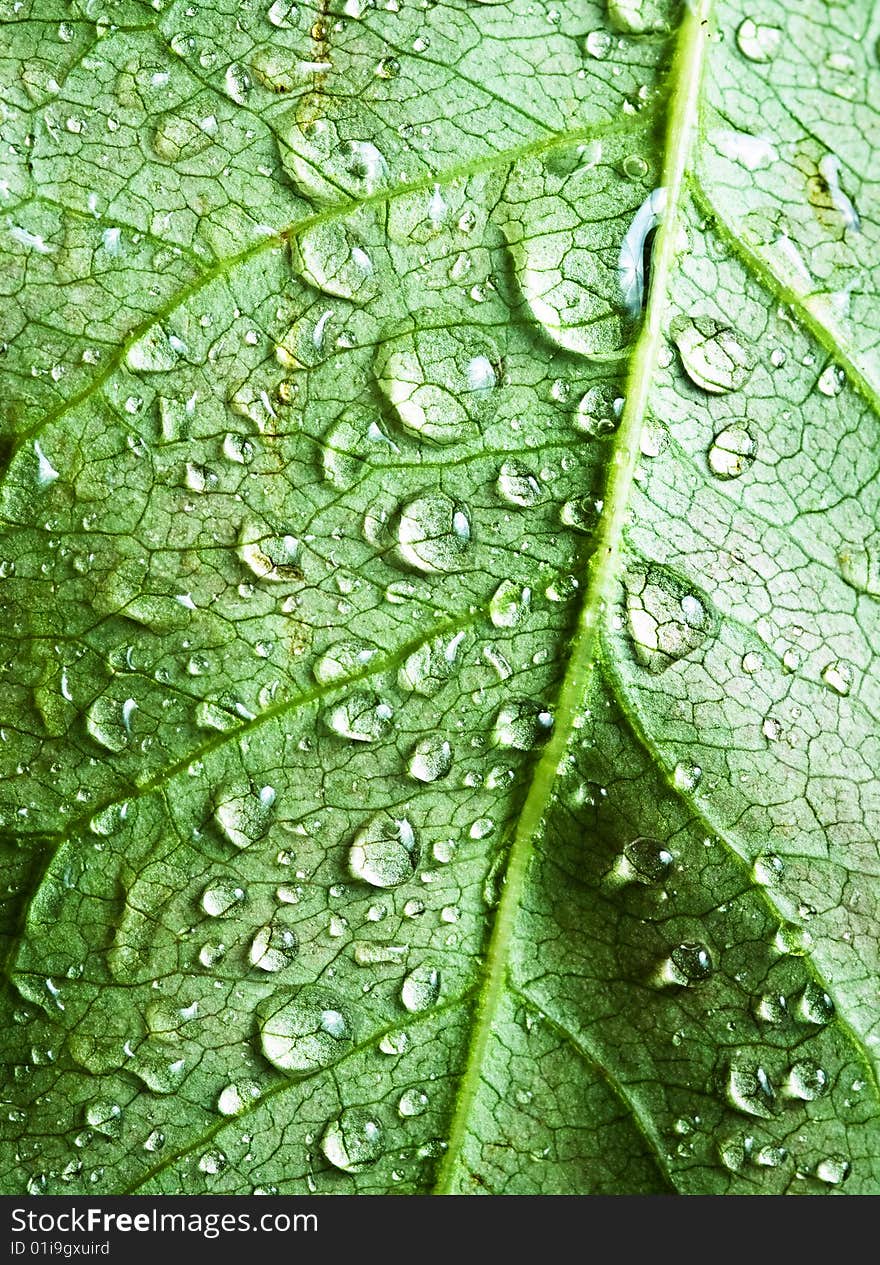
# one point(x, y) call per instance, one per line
point(440, 382)
point(273, 948)
point(807, 1081)
point(236, 1098)
point(715, 357)
point(508, 604)
point(385, 851)
point(433, 534)
point(733, 451)
point(351, 445)
point(420, 989)
point(814, 1006)
point(269, 557)
point(353, 1141)
point(361, 717)
point(643, 861)
point(220, 897)
point(304, 1031)
point(521, 725)
point(689, 963)
point(109, 721)
point(323, 166)
point(834, 1170)
point(631, 261)
point(333, 257)
point(838, 677)
point(413, 1102)
point(749, 1090)
point(665, 617)
point(430, 759)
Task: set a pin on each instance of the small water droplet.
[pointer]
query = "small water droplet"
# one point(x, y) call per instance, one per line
point(219, 898)
point(768, 869)
point(834, 1170)
point(420, 989)
point(244, 819)
point(353, 1141)
point(771, 728)
point(304, 1031)
point(831, 381)
point(749, 1090)
point(508, 604)
point(689, 963)
point(814, 1006)
point(212, 1162)
point(385, 851)
point(807, 1081)
point(643, 860)
point(752, 662)
point(634, 167)
point(343, 659)
point(428, 669)
point(598, 44)
point(155, 1141)
point(666, 619)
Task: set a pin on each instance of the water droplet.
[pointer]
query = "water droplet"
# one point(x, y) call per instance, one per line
point(631, 261)
point(714, 356)
point(599, 44)
point(772, 1008)
point(749, 1091)
point(430, 759)
point(831, 381)
point(283, 15)
point(772, 729)
point(104, 1117)
point(155, 1141)
point(638, 17)
point(353, 1141)
point(371, 953)
point(440, 382)
point(860, 568)
point(343, 659)
point(361, 717)
point(413, 1102)
point(838, 677)
point(236, 1098)
point(643, 860)
point(826, 194)
point(768, 869)
point(219, 898)
point(733, 451)
point(428, 669)
point(688, 963)
point(665, 617)
point(770, 1156)
point(237, 82)
point(420, 989)
point(792, 940)
point(521, 724)
point(177, 137)
point(385, 851)
point(304, 1031)
point(322, 166)
point(268, 557)
point(333, 257)
point(244, 819)
point(212, 1162)
point(508, 604)
point(517, 485)
point(433, 534)
point(634, 167)
point(211, 954)
point(752, 662)
point(394, 1043)
point(109, 722)
point(757, 42)
point(597, 414)
point(834, 1170)
point(814, 1006)
point(273, 948)
point(807, 1081)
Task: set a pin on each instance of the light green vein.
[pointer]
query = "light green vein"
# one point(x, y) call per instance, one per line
point(602, 569)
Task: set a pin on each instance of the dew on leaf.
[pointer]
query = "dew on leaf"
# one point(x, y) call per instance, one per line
point(439, 382)
point(599, 44)
point(273, 948)
point(831, 381)
point(639, 17)
point(109, 722)
point(305, 1030)
point(508, 604)
point(714, 356)
point(860, 568)
point(597, 414)
point(732, 452)
point(385, 851)
point(154, 1141)
point(631, 261)
point(518, 486)
point(807, 1081)
point(237, 82)
point(177, 137)
point(360, 717)
point(104, 1116)
point(353, 1141)
point(666, 619)
point(634, 167)
point(220, 897)
point(827, 195)
point(689, 963)
point(212, 953)
point(430, 759)
point(343, 659)
point(643, 860)
point(237, 1097)
point(433, 534)
point(268, 557)
point(420, 989)
point(394, 1043)
point(428, 669)
point(283, 15)
point(758, 42)
point(814, 1006)
point(767, 869)
point(335, 259)
point(772, 1008)
point(749, 1090)
point(838, 676)
point(212, 1162)
point(833, 1170)
point(521, 725)
point(413, 1102)
point(243, 819)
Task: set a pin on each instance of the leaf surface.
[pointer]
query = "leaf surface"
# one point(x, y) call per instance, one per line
point(441, 578)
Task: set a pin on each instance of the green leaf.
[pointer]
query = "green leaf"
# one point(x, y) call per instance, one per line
point(440, 687)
